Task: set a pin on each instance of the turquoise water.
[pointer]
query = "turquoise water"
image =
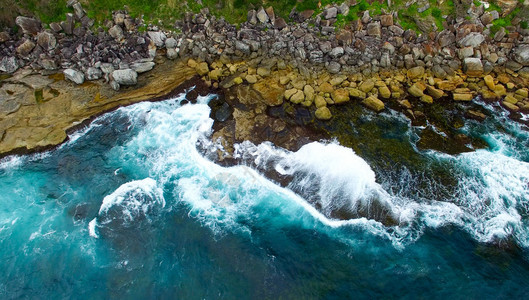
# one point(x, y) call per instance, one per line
point(129, 208)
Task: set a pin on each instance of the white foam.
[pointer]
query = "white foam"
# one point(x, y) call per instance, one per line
point(132, 195)
point(92, 228)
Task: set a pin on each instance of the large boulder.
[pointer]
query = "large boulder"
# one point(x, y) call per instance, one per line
point(28, 25)
point(373, 103)
point(125, 77)
point(521, 54)
point(8, 64)
point(46, 40)
point(74, 76)
point(157, 37)
point(141, 67)
point(472, 66)
point(25, 48)
point(473, 39)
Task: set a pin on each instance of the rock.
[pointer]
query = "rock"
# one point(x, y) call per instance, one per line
point(4, 37)
point(336, 52)
point(373, 103)
point(223, 113)
point(427, 99)
point(271, 15)
point(280, 23)
point(116, 32)
point(119, 19)
point(93, 73)
point(74, 76)
point(8, 64)
point(157, 37)
point(373, 29)
point(509, 106)
point(446, 38)
point(78, 10)
point(250, 79)
point(202, 68)
point(263, 72)
point(172, 53)
point(472, 66)
point(25, 48)
point(49, 63)
point(416, 72)
point(252, 17)
point(489, 81)
point(28, 25)
point(270, 91)
point(107, 68)
point(326, 88)
point(417, 89)
point(435, 93)
point(473, 39)
point(521, 54)
point(337, 80)
point(386, 20)
point(323, 113)
point(466, 52)
point(262, 16)
point(125, 77)
point(319, 101)
point(356, 93)
point(289, 93)
point(298, 97)
point(46, 40)
point(384, 92)
point(309, 93)
point(68, 25)
point(216, 74)
point(367, 86)
point(141, 67)
point(340, 96)
point(330, 13)
point(523, 92)
point(462, 97)
point(243, 47)
point(511, 99)
point(333, 67)
point(170, 43)
point(129, 24)
point(475, 115)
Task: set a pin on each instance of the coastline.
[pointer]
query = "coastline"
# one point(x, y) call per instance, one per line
point(309, 65)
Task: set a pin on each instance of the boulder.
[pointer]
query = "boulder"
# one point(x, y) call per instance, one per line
point(386, 20)
point(157, 37)
point(473, 39)
point(472, 66)
point(262, 16)
point(271, 15)
point(125, 77)
point(323, 113)
point(202, 68)
point(297, 97)
point(326, 88)
point(243, 47)
point(416, 72)
point(74, 76)
point(417, 89)
point(270, 91)
point(489, 82)
point(141, 67)
point(4, 37)
point(336, 52)
point(289, 93)
point(25, 48)
point(280, 23)
point(116, 32)
point(384, 92)
point(340, 96)
point(8, 64)
point(521, 54)
point(373, 29)
point(435, 93)
point(333, 67)
point(263, 72)
point(93, 73)
point(373, 103)
point(172, 53)
point(330, 13)
point(367, 86)
point(170, 43)
point(46, 40)
point(249, 78)
point(509, 106)
point(319, 101)
point(28, 25)
point(462, 96)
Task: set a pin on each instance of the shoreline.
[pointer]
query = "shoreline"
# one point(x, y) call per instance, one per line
point(305, 65)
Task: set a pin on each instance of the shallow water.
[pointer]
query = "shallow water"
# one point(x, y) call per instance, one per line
point(130, 208)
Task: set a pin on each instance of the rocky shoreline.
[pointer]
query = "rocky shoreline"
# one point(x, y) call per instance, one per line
point(265, 69)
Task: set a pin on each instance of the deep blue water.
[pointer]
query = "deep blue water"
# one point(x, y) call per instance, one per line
point(129, 208)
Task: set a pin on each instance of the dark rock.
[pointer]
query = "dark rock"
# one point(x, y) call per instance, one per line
point(46, 40)
point(223, 113)
point(280, 23)
point(28, 25)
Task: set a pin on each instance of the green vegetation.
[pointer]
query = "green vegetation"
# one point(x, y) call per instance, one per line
point(47, 10)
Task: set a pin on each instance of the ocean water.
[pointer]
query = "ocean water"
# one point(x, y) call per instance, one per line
point(130, 208)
